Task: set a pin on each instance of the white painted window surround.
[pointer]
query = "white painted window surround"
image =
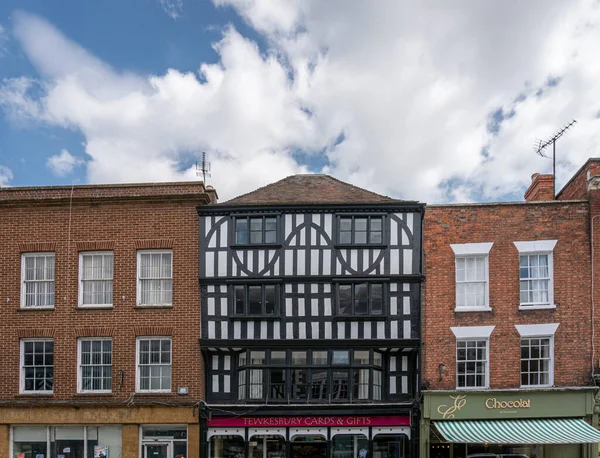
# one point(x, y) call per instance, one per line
point(527, 251)
point(472, 276)
point(472, 332)
point(537, 330)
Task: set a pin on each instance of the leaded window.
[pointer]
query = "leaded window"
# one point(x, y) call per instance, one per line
point(255, 300)
point(360, 299)
point(360, 230)
point(255, 230)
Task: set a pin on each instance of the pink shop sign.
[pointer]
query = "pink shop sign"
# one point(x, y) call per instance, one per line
point(333, 421)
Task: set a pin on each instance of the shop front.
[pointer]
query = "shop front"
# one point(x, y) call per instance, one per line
point(309, 437)
point(514, 423)
point(98, 432)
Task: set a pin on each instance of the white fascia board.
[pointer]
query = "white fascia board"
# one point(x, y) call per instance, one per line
point(537, 330)
point(471, 248)
point(535, 246)
point(473, 332)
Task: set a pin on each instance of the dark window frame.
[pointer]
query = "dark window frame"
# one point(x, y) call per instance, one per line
point(248, 243)
point(353, 217)
point(263, 287)
point(310, 369)
point(369, 313)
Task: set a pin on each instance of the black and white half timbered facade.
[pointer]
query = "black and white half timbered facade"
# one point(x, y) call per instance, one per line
point(311, 308)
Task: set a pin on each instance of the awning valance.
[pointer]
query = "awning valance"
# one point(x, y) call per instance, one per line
point(538, 431)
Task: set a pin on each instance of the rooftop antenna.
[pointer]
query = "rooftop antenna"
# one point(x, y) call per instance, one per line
point(203, 168)
point(543, 144)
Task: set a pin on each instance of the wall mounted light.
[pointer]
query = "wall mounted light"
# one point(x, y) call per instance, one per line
point(441, 371)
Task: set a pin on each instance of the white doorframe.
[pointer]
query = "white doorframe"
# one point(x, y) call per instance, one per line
point(168, 444)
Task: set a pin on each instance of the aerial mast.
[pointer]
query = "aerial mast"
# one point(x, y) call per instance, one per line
point(541, 145)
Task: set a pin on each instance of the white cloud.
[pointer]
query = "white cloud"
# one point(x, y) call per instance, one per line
point(62, 164)
point(408, 88)
point(3, 41)
point(6, 176)
point(173, 8)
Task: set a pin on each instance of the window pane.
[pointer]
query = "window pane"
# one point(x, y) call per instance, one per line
point(345, 299)
point(254, 300)
point(346, 224)
point(299, 384)
point(340, 386)
point(319, 357)
point(241, 230)
point(239, 293)
point(277, 389)
point(376, 298)
point(361, 298)
point(361, 356)
point(319, 385)
point(299, 358)
point(270, 299)
point(277, 357)
point(340, 357)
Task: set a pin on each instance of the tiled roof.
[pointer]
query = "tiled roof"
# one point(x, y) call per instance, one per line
point(309, 189)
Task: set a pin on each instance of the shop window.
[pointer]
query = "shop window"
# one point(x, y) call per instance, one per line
point(227, 447)
point(169, 441)
point(70, 441)
point(267, 446)
point(358, 299)
point(390, 446)
point(349, 446)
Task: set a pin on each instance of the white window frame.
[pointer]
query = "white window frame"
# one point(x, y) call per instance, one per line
point(464, 333)
point(543, 247)
point(23, 290)
point(81, 280)
point(139, 280)
point(539, 331)
point(137, 364)
point(79, 365)
point(22, 367)
point(470, 250)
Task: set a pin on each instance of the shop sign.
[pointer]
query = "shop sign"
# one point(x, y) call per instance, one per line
point(321, 421)
point(540, 404)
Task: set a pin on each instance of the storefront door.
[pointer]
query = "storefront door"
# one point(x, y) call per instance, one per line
point(157, 450)
point(309, 450)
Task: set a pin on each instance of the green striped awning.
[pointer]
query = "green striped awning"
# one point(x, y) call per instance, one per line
point(539, 431)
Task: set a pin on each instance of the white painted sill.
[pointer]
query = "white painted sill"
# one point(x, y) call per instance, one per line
point(473, 309)
point(537, 307)
point(32, 307)
point(472, 388)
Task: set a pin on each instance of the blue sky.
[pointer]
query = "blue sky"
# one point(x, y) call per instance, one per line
point(430, 102)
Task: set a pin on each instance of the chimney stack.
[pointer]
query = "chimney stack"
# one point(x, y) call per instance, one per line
point(541, 188)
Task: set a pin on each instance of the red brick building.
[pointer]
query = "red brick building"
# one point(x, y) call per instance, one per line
point(508, 319)
point(100, 319)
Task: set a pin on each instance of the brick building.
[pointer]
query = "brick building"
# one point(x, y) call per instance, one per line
point(508, 324)
point(100, 317)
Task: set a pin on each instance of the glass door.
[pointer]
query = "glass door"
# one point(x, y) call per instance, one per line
point(157, 450)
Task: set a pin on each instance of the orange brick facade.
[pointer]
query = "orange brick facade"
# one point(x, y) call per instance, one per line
point(122, 219)
point(504, 224)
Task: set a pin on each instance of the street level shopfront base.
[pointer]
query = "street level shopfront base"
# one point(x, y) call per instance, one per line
point(554, 423)
point(309, 437)
point(79, 432)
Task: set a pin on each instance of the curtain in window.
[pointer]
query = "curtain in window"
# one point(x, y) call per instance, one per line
point(96, 278)
point(156, 282)
point(256, 384)
point(39, 281)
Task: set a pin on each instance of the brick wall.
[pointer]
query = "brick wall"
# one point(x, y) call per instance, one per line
point(150, 220)
point(503, 224)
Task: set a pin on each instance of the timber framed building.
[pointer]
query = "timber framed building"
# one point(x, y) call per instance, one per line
point(311, 322)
